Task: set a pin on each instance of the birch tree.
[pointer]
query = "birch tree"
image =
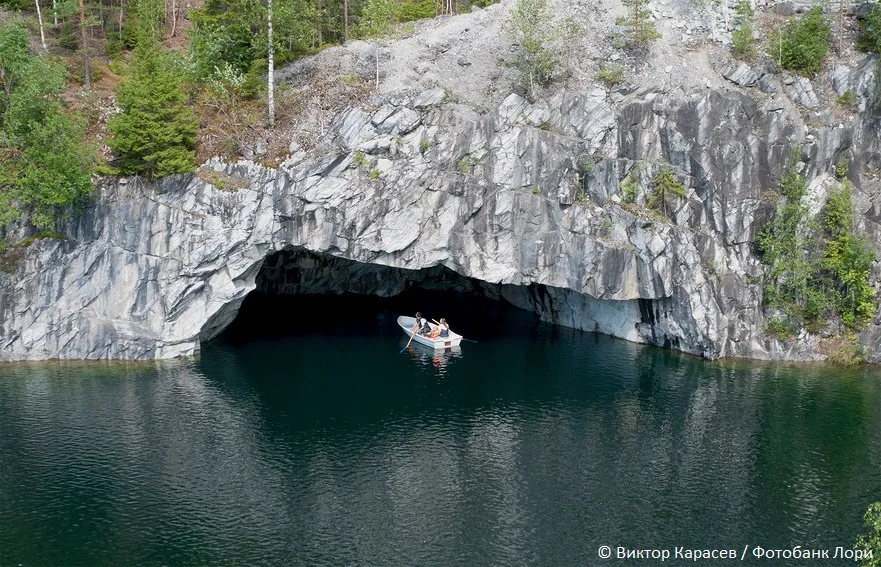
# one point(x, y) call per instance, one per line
point(84, 46)
point(40, 22)
point(376, 22)
point(270, 55)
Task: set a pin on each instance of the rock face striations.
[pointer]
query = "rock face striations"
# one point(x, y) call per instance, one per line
point(543, 205)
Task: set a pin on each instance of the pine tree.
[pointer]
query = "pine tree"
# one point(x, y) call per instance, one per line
point(638, 19)
point(666, 190)
point(155, 134)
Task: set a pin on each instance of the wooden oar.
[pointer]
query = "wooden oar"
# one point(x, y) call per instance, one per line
point(411, 339)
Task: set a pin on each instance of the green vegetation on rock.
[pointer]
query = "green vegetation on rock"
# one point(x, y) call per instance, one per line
point(44, 164)
point(870, 542)
point(377, 18)
point(466, 164)
point(849, 98)
point(155, 132)
point(666, 190)
point(847, 261)
point(816, 267)
point(870, 32)
point(803, 43)
point(641, 27)
point(611, 74)
point(743, 39)
point(628, 190)
point(537, 36)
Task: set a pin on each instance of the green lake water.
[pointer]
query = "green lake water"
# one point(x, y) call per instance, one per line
point(294, 443)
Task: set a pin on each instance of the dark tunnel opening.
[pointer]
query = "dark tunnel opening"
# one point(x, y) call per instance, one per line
point(302, 293)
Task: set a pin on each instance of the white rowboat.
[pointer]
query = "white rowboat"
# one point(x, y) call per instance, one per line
point(439, 343)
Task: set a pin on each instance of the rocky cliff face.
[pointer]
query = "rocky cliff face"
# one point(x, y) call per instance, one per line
point(522, 201)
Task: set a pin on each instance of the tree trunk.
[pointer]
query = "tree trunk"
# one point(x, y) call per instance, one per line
point(87, 64)
point(121, 13)
point(271, 60)
point(636, 7)
point(173, 17)
point(40, 20)
point(54, 14)
point(345, 20)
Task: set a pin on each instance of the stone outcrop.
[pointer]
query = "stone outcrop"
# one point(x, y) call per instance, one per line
point(524, 201)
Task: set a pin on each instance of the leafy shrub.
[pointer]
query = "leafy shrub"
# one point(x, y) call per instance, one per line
point(377, 18)
point(532, 27)
point(628, 190)
point(224, 31)
point(843, 350)
point(611, 74)
point(780, 328)
point(870, 542)
point(743, 39)
point(409, 11)
point(849, 98)
point(842, 167)
point(782, 248)
point(44, 163)
point(425, 145)
point(465, 164)
point(813, 268)
point(360, 160)
point(803, 44)
point(870, 32)
point(848, 258)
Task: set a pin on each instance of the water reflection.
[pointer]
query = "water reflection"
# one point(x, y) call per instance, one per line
point(536, 447)
point(437, 360)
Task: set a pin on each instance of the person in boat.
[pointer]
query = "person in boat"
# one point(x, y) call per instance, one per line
point(426, 328)
point(422, 327)
point(442, 330)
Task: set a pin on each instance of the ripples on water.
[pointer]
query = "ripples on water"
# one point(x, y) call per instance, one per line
point(326, 447)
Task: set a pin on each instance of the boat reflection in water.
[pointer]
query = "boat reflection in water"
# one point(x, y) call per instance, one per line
point(439, 359)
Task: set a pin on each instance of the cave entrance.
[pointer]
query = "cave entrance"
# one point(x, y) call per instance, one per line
point(301, 293)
